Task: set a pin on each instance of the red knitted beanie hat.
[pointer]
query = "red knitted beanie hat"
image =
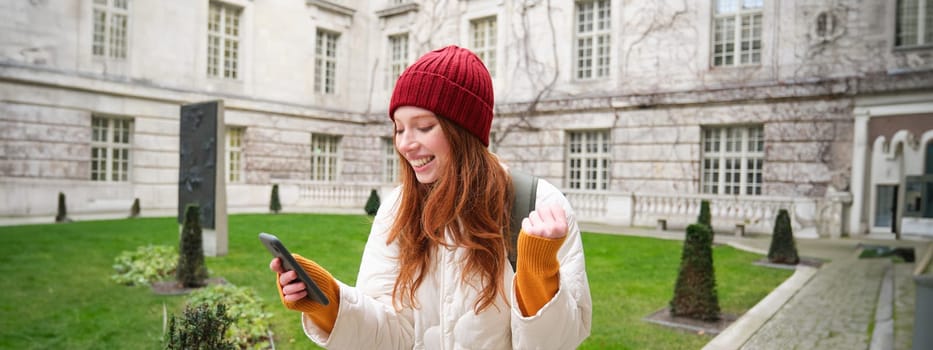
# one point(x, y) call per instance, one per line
point(451, 82)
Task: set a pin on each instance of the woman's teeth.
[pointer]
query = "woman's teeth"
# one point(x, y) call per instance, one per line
point(421, 162)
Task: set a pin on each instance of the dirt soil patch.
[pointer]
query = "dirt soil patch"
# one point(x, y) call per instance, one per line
point(803, 261)
point(174, 288)
point(663, 317)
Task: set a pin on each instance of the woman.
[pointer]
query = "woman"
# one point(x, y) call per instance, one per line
point(435, 273)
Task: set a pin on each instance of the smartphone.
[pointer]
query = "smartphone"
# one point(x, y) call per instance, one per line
point(275, 246)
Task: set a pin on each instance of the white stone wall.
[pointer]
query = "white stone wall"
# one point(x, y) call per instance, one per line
point(660, 93)
point(657, 150)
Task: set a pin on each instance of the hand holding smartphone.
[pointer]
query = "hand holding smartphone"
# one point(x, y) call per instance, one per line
point(272, 243)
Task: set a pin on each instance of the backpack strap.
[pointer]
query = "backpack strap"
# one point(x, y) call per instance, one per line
point(525, 188)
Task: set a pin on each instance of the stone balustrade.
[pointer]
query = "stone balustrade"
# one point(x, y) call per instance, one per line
point(729, 213)
point(324, 197)
point(753, 214)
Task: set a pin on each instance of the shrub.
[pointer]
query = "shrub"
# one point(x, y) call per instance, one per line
point(372, 204)
point(783, 250)
point(695, 289)
point(705, 218)
point(251, 326)
point(134, 210)
point(191, 271)
point(201, 328)
point(62, 215)
point(275, 205)
point(145, 265)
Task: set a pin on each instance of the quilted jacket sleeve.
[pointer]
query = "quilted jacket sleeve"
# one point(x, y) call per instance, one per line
point(367, 308)
point(565, 321)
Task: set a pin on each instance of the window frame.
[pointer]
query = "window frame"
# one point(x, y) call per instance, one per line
point(588, 169)
point(326, 46)
point(390, 162)
point(737, 17)
point(597, 64)
point(110, 40)
point(328, 160)
point(729, 152)
point(923, 31)
point(234, 153)
point(225, 66)
point(104, 167)
point(483, 40)
point(397, 57)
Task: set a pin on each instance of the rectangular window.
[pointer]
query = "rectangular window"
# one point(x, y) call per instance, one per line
point(110, 148)
point(493, 145)
point(110, 23)
point(737, 32)
point(390, 161)
point(398, 58)
point(324, 156)
point(588, 158)
point(483, 41)
point(914, 25)
point(235, 154)
point(732, 160)
point(325, 61)
point(593, 34)
point(223, 40)
point(918, 196)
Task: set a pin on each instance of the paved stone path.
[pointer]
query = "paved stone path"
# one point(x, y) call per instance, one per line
point(904, 302)
point(833, 311)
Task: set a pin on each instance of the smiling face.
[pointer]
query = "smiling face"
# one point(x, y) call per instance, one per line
point(421, 141)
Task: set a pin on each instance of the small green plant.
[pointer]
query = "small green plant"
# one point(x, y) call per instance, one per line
point(251, 326)
point(62, 215)
point(134, 210)
point(145, 265)
point(372, 204)
point(695, 290)
point(191, 271)
point(783, 249)
point(275, 205)
point(202, 327)
point(705, 218)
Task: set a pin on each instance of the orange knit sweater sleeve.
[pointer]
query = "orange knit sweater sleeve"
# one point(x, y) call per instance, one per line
point(537, 276)
point(324, 316)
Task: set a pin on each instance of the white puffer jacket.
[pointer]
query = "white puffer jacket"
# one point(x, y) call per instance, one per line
point(446, 317)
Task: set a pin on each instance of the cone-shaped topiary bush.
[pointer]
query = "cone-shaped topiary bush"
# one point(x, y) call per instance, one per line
point(200, 328)
point(695, 289)
point(134, 210)
point(62, 215)
point(275, 205)
point(705, 218)
point(191, 271)
point(783, 250)
point(372, 204)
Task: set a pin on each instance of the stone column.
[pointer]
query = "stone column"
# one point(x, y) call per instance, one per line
point(833, 213)
point(619, 209)
point(804, 218)
point(860, 172)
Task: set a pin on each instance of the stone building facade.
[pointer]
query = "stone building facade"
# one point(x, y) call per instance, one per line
point(638, 110)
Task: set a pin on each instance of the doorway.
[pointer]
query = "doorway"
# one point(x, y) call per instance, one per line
point(886, 207)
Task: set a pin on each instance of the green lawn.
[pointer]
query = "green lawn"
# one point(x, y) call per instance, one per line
point(55, 291)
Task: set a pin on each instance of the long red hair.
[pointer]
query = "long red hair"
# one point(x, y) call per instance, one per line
point(471, 199)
